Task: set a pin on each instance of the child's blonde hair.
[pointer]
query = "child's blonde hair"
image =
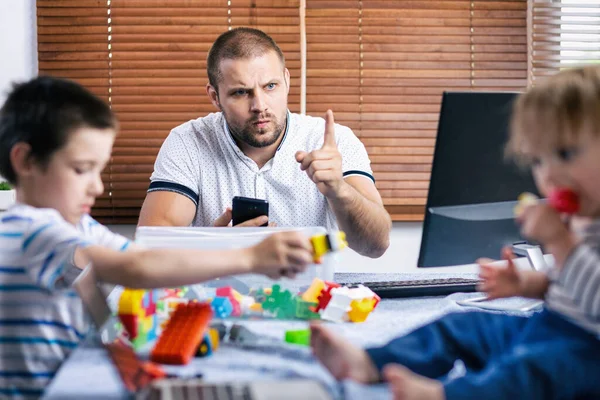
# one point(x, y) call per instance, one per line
point(556, 112)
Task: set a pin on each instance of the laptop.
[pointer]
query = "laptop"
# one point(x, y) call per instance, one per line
point(473, 189)
point(149, 381)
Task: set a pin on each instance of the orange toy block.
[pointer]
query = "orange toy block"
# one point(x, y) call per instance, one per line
point(135, 373)
point(312, 293)
point(183, 334)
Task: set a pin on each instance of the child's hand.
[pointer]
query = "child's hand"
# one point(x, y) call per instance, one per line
point(281, 254)
point(500, 282)
point(541, 223)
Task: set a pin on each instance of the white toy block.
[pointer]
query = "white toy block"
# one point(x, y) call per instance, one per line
point(335, 314)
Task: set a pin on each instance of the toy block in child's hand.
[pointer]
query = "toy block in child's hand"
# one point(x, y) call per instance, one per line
point(183, 334)
point(564, 201)
point(323, 244)
point(299, 336)
point(524, 200)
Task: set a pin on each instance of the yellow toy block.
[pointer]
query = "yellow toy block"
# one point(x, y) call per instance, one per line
point(256, 307)
point(237, 295)
point(148, 323)
point(360, 309)
point(525, 199)
point(323, 244)
point(214, 338)
point(130, 302)
point(314, 291)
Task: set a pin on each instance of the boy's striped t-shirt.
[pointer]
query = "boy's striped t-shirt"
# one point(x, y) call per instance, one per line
point(41, 317)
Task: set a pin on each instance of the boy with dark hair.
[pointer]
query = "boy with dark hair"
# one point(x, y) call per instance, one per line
point(55, 140)
point(553, 354)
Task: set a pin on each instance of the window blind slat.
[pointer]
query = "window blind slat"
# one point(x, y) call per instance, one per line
point(564, 34)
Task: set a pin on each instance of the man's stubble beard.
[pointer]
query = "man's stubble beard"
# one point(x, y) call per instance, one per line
point(249, 136)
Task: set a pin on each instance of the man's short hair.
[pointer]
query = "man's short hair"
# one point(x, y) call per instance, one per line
point(43, 113)
point(238, 43)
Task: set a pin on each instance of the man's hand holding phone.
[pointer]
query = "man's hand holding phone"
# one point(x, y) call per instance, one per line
point(246, 212)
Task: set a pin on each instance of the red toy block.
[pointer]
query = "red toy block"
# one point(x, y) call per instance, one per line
point(325, 296)
point(130, 324)
point(135, 373)
point(183, 333)
point(377, 300)
point(564, 201)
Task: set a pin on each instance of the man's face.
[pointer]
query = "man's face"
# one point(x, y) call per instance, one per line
point(252, 95)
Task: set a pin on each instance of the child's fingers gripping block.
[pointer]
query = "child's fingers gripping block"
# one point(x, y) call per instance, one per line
point(183, 334)
point(525, 199)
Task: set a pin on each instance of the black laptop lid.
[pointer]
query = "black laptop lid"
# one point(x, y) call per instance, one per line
point(469, 168)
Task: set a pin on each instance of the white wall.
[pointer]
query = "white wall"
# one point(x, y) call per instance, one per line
point(18, 47)
point(18, 44)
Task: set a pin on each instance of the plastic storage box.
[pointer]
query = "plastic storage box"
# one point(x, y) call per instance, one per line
point(230, 238)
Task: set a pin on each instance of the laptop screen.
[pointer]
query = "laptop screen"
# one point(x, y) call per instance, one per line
point(469, 210)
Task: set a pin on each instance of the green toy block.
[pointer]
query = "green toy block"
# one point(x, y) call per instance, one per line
point(303, 310)
point(258, 295)
point(300, 336)
point(280, 303)
point(140, 340)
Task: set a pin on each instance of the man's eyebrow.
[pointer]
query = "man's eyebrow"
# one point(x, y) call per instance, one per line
point(91, 162)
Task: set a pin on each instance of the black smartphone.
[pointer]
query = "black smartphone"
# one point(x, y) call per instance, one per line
point(246, 208)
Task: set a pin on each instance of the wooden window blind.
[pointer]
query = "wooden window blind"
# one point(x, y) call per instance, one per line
point(153, 58)
point(564, 33)
point(380, 65)
point(72, 42)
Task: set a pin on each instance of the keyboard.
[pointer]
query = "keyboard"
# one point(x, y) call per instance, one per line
point(198, 390)
point(423, 287)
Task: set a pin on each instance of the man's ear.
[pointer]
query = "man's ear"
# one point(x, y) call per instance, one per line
point(21, 160)
point(286, 75)
point(213, 95)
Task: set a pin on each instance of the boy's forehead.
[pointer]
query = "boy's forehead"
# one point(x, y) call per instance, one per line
point(91, 140)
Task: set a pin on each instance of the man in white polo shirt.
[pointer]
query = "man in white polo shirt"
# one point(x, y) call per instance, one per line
point(310, 170)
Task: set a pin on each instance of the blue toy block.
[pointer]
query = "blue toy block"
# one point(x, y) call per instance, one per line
point(222, 307)
point(205, 348)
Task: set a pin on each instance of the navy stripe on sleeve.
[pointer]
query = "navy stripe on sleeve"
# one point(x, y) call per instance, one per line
point(162, 186)
point(357, 172)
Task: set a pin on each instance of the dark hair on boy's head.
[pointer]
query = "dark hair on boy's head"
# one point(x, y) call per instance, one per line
point(239, 43)
point(43, 112)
